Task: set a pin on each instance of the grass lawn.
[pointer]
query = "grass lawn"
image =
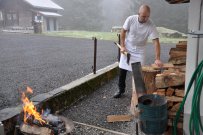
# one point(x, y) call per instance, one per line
point(103, 36)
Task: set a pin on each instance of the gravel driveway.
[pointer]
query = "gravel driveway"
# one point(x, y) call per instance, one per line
point(45, 63)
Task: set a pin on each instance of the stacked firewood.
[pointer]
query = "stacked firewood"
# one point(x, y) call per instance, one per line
point(171, 81)
point(178, 54)
point(172, 88)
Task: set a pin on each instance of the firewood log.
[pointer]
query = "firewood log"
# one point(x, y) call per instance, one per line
point(169, 91)
point(171, 79)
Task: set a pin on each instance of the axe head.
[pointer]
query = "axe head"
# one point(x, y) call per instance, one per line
point(128, 58)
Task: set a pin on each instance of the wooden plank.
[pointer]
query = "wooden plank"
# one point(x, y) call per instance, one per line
point(117, 118)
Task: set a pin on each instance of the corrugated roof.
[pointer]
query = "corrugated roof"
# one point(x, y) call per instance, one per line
point(48, 4)
point(50, 14)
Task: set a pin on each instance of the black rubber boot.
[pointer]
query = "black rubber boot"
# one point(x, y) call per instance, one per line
point(121, 83)
point(118, 94)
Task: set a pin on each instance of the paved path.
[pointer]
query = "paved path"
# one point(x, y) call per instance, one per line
point(45, 63)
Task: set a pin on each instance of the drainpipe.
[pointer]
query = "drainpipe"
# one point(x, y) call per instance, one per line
point(194, 50)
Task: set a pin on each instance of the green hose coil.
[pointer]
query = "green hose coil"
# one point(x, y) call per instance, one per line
point(195, 124)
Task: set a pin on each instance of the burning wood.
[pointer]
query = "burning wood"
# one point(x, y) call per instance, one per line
point(44, 123)
point(35, 130)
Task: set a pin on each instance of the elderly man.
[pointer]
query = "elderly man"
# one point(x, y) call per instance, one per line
point(134, 35)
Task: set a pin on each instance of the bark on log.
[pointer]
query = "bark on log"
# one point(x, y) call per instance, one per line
point(168, 80)
point(149, 75)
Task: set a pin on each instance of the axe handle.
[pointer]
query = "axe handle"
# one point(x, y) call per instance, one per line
point(119, 46)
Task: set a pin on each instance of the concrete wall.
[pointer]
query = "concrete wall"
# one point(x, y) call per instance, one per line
point(194, 54)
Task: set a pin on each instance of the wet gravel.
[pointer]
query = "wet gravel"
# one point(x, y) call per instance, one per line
point(45, 63)
point(96, 107)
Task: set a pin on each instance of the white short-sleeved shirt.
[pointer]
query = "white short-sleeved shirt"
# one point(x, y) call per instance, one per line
point(136, 37)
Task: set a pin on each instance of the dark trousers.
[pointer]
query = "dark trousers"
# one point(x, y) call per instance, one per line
point(122, 78)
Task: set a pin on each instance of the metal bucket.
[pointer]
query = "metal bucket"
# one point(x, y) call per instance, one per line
point(153, 113)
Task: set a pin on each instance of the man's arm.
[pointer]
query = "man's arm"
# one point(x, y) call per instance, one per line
point(123, 35)
point(157, 52)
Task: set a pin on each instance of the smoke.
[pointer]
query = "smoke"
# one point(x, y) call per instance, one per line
point(163, 14)
point(115, 12)
point(102, 15)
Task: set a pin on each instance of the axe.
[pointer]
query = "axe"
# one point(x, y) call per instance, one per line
point(125, 53)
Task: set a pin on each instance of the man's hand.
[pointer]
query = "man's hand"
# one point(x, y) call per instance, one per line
point(123, 49)
point(158, 63)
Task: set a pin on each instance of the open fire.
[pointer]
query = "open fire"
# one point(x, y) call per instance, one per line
point(29, 109)
point(43, 123)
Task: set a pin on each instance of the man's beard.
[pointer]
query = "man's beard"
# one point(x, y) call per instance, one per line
point(140, 21)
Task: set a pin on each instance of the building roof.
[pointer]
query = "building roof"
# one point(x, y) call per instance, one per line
point(47, 4)
point(177, 1)
point(49, 14)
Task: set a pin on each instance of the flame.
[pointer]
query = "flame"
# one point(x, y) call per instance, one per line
point(29, 109)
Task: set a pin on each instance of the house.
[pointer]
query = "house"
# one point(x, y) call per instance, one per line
point(24, 14)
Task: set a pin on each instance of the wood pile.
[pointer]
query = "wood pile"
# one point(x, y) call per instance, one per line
point(170, 81)
point(178, 54)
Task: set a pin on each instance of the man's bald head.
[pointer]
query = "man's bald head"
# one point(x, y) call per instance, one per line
point(144, 13)
point(144, 8)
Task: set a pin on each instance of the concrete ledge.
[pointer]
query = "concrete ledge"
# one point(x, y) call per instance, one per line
point(62, 97)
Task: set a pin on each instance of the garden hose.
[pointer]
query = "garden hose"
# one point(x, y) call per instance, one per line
point(195, 124)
